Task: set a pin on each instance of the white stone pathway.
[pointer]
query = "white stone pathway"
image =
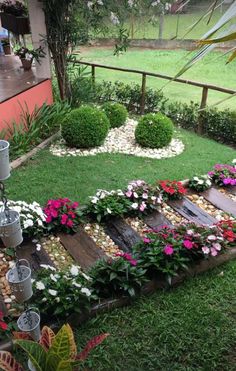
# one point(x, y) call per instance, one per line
point(121, 140)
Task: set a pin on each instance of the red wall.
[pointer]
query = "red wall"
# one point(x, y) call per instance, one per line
point(37, 95)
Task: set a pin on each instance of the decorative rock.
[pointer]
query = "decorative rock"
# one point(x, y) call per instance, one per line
point(121, 140)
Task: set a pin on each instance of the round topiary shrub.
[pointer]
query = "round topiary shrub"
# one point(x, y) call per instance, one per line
point(154, 131)
point(116, 113)
point(85, 127)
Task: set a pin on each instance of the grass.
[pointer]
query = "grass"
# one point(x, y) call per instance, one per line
point(189, 328)
point(212, 70)
point(48, 176)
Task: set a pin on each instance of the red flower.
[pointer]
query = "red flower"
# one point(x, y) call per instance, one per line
point(3, 325)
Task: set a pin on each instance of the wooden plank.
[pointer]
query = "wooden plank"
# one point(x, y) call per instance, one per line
point(3, 308)
point(156, 220)
point(35, 258)
point(82, 248)
point(192, 212)
point(220, 201)
point(121, 233)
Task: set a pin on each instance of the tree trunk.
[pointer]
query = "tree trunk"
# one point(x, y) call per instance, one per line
point(161, 26)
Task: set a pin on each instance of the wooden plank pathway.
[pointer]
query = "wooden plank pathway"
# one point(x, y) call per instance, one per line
point(220, 201)
point(192, 212)
point(82, 248)
point(121, 233)
point(156, 220)
point(35, 258)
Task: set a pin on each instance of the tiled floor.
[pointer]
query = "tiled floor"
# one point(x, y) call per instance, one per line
point(13, 79)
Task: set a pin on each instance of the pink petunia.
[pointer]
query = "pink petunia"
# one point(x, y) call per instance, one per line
point(216, 246)
point(129, 193)
point(214, 252)
point(64, 218)
point(168, 250)
point(188, 244)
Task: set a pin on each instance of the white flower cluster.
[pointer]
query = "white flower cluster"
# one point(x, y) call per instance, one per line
point(102, 193)
point(114, 19)
point(234, 162)
point(203, 179)
point(31, 215)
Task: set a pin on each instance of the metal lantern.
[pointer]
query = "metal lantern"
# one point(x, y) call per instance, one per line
point(19, 278)
point(10, 228)
point(4, 160)
point(29, 322)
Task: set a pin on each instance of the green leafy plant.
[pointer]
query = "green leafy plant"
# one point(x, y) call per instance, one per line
point(200, 183)
point(30, 54)
point(105, 204)
point(154, 131)
point(116, 113)
point(61, 293)
point(57, 352)
point(85, 127)
point(183, 115)
point(117, 277)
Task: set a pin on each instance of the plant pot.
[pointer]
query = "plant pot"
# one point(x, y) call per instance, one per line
point(19, 279)
point(7, 49)
point(17, 25)
point(4, 160)
point(26, 63)
point(10, 228)
point(29, 322)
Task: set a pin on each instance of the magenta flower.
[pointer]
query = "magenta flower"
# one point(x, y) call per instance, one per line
point(146, 240)
point(168, 250)
point(129, 194)
point(64, 218)
point(188, 244)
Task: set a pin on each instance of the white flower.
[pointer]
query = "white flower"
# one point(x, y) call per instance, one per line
point(94, 200)
point(196, 178)
point(234, 161)
point(52, 292)
point(89, 4)
point(108, 210)
point(40, 223)
point(28, 223)
point(86, 277)
point(45, 266)
point(44, 299)
point(53, 277)
point(76, 284)
point(201, 181)
point(86, 291)
point(38, 247)
point(114, 19)
point(57, 299)
point(74, 270)
point(135, 195)
point(134, 205)
point(40, 285)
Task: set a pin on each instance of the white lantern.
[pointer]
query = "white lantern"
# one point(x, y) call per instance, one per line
point(19, 278)
point(29, 322)
point(10, 228)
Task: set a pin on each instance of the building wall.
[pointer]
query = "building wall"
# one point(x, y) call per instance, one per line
point(37, 95)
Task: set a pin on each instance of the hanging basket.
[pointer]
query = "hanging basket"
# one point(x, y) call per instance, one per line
point(10, 228)
point(4, 160)
point(19, 279)
point(29, 322)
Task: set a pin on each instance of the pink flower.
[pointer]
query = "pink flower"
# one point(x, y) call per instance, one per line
point(75, 205)
point(56, 204)
point(54, 213)
point(188, 244)
point(142, 206)
point(133, 262)
point(145, 196)
point(168, 250)
point(190, 232)
point(129, 194)
point(146, 240)
point(48, 219)
point(64, 218)
point(70, 223)
point(213, 252)
point(216, 246)
point(205, 250)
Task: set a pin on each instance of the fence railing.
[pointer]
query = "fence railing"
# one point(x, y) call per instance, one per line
point(205, 87)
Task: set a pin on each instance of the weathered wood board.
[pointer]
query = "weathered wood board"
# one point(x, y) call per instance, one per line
point(82, 248)
point(35, 258)
point(192, 212)
point(220, 200)
point(156, 220)
point(121, 233)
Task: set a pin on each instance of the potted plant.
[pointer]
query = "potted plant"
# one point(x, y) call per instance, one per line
point(28, 55)
point(6, 46)
point(14, 17)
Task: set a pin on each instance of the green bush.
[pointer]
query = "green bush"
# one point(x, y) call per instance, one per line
point(116, 113)
point(85, 127)
point(154, 131)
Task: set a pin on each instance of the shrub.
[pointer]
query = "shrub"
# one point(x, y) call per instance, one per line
point(154, 131)
point(183, 115)
point(116, 113)
point(85, 127)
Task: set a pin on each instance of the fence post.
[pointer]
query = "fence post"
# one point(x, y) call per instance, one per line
point(202, 105)
point(143, 91)
point(93, 73)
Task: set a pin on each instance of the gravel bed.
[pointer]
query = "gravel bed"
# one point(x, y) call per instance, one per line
point(138, 225)
point(171, 214)
point(121, 140)
point(209, 208)
point(97, 233)
point(6, 262)
point(58, 254)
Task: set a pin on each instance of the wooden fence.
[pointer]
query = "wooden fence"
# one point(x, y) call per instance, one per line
point(205, 87)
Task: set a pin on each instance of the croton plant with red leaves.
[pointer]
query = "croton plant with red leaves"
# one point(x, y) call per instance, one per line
point(172, 189)
point(62, 215)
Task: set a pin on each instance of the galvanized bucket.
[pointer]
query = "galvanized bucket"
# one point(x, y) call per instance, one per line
point(29, 322)
point(19, 278)
point(4, 160)
point(10, 228)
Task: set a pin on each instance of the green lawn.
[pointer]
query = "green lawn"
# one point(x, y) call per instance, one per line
point(48, 176)
point(210, 70)
point(144, 29)
point(192, 327)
